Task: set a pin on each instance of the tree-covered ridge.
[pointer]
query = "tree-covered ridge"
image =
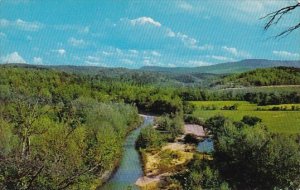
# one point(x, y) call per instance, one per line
point(54, 86)
point(132, 76)
point(264, 77)
point(226, 68)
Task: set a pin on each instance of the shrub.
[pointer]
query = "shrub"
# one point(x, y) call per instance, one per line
point(250, 120)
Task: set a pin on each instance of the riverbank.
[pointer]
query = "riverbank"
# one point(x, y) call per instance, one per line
point(160, 164)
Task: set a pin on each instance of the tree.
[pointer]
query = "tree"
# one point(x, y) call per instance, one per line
point(253, 158)
point(274, 17)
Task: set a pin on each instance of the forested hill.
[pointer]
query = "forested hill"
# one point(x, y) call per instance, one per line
point(134, 76)
point(223, 68)
point(264, 77)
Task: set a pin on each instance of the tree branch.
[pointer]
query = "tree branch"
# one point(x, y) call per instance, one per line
point(274, 17)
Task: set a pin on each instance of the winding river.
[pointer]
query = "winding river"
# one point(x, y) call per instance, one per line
point(130, 168)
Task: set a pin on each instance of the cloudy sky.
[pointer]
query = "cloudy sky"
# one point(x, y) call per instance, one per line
point(132, 34)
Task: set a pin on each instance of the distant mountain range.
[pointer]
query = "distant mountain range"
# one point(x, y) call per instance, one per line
point(201, 76)
point(224, 68)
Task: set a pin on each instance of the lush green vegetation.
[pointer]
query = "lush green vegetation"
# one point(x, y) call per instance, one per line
point(46, 146)
point(62, 130)
point(53, 86)
point(287, 121)
point(252, 158)
point(231, 67)
point(245, 157)
point(65, 129)
point(150, 139)
point(263, 77)
point(167, 129)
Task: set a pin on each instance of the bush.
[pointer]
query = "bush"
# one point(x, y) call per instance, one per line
point(173, 127)
point(191, 139)
point(149, 138)
point(193, 120)
point(250, 120)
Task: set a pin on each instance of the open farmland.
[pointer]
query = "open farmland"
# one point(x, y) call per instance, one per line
point(276, 121)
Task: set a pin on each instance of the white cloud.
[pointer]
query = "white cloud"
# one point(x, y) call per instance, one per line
point(237, 53)
point(170, 33)
point(38, 60)
point(77, 42)
point(171, 65)
point(94, 61)
point(60, 52)
point(286, 54)
point(144, 21)
point(13, 58)
point(155, 53)
point(134, 51)
point(196, 63)
point(21, 24)
point(106, 53)
point(257, 7)
point(154, 36)
point(127, 61)
point(221, 58)
point(205, 47)
point(93, 58)
point(85, 30)
point(2, 35)
point(185, 6)
point(192, 42)
point(231, 50)
point(187, 41)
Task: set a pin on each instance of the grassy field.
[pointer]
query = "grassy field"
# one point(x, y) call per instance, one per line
point(276, 121)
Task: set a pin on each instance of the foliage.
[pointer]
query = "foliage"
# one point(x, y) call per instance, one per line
point(249, 120)
point(172, 126)
point(149, 138)
point(265, 77)
point(51, 150)
point(54, 131)
point(167, 157)
point(201, 175)
point(281, 121)
point(253, 158)
point(191, 119)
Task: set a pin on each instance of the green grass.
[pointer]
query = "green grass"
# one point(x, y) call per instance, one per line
point(276, 121)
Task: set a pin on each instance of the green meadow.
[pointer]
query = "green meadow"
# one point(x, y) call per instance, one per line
point(276, 121)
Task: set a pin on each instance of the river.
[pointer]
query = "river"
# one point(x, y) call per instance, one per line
point(130, 168)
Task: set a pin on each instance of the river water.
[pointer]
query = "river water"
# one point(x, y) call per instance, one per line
point(206, 146)
point(130, 168)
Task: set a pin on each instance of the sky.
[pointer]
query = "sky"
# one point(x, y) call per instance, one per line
point(132, 34)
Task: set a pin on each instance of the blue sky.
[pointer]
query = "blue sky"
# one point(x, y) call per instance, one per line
point(121, 33)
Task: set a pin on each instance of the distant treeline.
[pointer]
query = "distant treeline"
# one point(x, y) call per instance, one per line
point(260, 98)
